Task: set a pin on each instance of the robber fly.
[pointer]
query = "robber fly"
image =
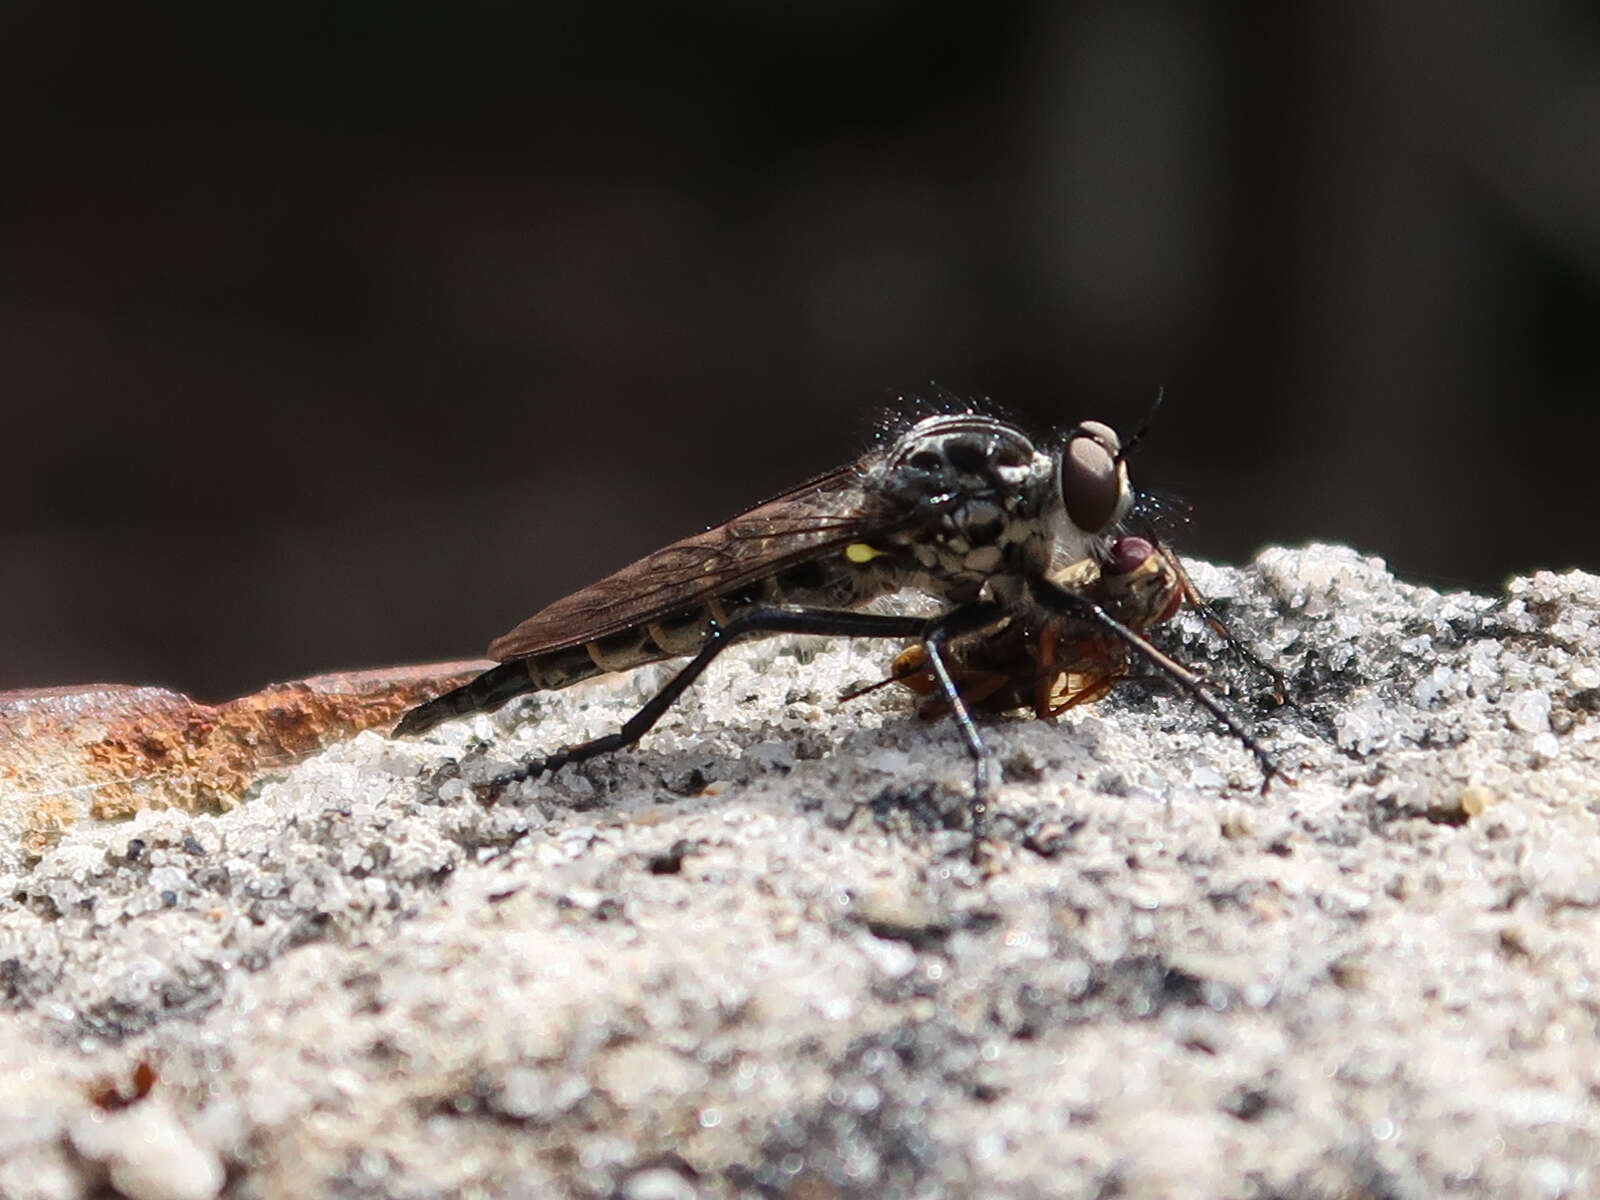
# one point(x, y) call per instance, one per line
point(964, 507)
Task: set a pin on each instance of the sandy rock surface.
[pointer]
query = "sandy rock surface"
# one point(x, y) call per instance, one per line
point(751, 957)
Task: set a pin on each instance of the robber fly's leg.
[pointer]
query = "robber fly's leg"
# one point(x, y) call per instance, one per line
point(978, 805)
point(822, 621)
point(958, 623)
point(1202, 607)
point(1059, 600)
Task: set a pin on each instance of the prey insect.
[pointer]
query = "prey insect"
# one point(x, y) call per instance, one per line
point(963, 507)
point(1050, 661)
point(1047, 661)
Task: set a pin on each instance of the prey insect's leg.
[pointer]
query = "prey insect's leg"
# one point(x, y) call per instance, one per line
point(1059, 600)
point(898, 673)
point(827, 622)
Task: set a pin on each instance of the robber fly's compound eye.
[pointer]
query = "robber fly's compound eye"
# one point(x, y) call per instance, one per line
point(1101, 433)
point(1092, 483)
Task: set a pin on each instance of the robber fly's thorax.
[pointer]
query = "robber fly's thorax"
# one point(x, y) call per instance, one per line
point(974, 504)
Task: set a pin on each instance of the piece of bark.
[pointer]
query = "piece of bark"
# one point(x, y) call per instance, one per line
point(106, 751)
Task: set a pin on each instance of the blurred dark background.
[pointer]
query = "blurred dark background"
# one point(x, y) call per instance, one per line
point(349, 334)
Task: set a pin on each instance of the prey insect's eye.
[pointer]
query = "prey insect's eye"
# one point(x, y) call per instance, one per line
point(1092, 486)
point(1127, 555)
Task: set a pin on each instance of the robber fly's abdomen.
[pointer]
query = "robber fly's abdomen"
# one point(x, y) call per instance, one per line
point(823, 584)
point(678, 634)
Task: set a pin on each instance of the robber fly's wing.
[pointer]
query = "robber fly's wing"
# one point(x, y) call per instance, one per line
point(805, 523)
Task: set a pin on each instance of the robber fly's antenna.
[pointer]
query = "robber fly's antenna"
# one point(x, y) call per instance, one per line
point(1149, 419)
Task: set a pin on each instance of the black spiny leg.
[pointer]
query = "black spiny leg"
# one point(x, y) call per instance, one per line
point(959, 622)
point(1213, 620)
point(1059, 600)
point(824, 622)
